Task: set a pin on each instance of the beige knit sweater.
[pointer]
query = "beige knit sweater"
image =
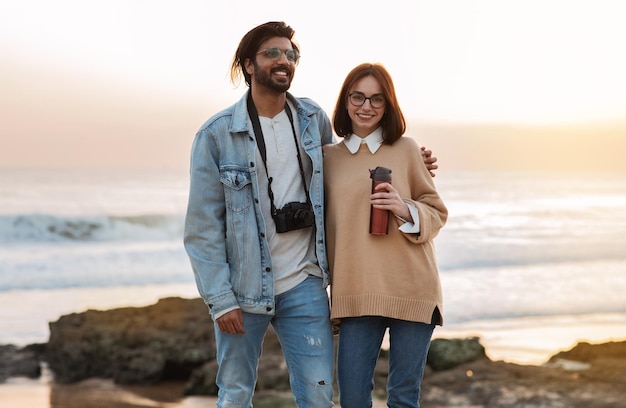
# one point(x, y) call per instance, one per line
point(392, 275)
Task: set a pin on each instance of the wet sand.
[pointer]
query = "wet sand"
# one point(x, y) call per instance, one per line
point(95, 393)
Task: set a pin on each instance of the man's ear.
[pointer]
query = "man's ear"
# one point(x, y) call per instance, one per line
point(249, 65)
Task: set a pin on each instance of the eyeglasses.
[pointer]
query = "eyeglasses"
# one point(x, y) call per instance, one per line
point(358, 99)
point(275, 53)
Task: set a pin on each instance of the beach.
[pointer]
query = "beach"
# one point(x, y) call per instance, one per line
point(95, 393)
point(520, 266)
point(525, 341)
point(103, 102)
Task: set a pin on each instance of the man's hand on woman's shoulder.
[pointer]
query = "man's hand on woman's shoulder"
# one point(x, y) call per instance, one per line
point(429, 160)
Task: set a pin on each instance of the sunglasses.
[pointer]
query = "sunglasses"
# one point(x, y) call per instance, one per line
point(274, 53)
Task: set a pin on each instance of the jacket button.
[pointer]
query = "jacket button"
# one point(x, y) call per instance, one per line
point(262, 235)
point(267, 269)
point(269, 309)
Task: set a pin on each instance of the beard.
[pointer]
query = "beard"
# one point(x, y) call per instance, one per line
point(265, 79)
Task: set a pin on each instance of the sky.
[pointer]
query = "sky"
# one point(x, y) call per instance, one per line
point(484, 83)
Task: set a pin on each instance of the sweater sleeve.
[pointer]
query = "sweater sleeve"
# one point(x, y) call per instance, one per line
point(424, 196)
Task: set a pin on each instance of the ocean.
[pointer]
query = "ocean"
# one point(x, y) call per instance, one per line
point(520, 249)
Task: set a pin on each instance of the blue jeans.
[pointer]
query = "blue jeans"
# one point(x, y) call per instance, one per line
point(360, 339)
point(302, 324)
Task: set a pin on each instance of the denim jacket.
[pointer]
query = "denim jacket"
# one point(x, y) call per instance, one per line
point(225, 233)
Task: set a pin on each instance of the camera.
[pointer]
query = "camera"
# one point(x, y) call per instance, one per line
point(293, 216)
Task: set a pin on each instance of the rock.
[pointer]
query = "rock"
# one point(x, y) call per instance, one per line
point(164, 341)
point(273, 373)
point(20, 362)
point(588, 353)
point(171, 340)
point(445, 354)
point(202, 380)
point(486, 384)
point(174, 340)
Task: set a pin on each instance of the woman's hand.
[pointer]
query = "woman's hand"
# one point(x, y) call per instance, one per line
point(386, 197)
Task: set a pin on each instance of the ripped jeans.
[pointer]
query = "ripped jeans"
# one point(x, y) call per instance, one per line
point(302, 324)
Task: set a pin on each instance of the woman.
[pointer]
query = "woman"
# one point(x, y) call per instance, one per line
point(380, 282)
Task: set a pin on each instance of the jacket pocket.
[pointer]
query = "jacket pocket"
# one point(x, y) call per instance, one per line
point(237, 189)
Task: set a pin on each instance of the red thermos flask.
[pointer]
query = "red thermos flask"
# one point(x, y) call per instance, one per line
point(379, 218)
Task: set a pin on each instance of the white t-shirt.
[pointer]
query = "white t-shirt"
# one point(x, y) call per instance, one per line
point(293, 252)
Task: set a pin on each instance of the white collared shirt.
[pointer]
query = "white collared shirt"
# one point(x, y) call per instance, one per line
point(373, 141)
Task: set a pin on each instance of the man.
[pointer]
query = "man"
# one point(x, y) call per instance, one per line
point(254, 230)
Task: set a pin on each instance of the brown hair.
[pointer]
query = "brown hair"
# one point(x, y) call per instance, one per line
point(392, 122)
point(250, 43)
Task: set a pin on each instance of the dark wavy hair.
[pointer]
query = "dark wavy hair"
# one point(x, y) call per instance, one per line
point(392, 122)
point(250, 43)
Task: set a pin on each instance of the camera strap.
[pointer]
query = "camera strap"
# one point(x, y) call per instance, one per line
point(258, 133)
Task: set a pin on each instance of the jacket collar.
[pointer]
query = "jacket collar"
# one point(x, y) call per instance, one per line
point(302, 106)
